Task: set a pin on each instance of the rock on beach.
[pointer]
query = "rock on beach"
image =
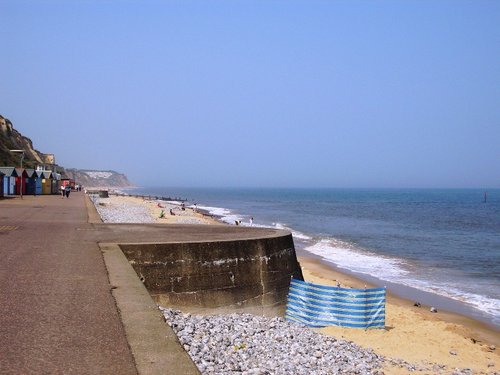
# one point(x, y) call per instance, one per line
point(256, 345)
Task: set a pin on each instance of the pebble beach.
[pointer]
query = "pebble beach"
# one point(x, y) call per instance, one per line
point(255, 345)
point(414, 340)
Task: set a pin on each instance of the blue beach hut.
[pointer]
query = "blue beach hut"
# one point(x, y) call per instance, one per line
point(30, 182)
point(1, 184)
point(38, 176)
point(9, 180)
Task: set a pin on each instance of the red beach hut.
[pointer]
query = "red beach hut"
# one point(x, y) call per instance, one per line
point(21, 181)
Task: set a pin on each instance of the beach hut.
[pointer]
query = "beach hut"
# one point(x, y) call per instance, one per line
point(38, 181)
point(5, 178)
point(56, 182)
point(1, 184)
point(46, 182)
point(21, 178)
point(9, 180)
point(30, 182)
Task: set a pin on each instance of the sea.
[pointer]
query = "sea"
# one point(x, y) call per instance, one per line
point(440, 247)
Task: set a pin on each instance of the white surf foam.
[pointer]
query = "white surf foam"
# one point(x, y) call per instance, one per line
point(344, 256)
point(296, 234)
point(224, 214)
point(230, 217)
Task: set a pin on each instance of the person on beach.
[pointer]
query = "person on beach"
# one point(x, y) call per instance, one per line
point(251, 221)
point(67, 190)
point(63, 191)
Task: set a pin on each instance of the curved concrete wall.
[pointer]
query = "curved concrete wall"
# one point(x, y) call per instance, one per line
point(212, 274)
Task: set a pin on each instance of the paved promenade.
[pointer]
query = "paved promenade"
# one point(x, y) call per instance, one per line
point(57, 313)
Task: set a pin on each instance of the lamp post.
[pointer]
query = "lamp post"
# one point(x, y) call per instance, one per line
point(22, 177)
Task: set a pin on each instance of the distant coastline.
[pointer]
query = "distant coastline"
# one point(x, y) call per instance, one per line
point(102, 179)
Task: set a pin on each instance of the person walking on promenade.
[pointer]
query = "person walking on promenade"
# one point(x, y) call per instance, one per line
point(63, 191)
point(68, 190)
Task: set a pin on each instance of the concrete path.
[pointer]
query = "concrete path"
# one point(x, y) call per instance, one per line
point(57, 314)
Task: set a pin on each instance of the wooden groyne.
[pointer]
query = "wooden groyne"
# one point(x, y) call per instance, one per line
point(104, 194)
point(148, 197)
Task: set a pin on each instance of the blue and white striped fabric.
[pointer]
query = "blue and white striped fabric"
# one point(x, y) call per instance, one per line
point(320, 306)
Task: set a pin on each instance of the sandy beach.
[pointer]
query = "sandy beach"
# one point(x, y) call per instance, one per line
point(415, 334)
point(442, 341)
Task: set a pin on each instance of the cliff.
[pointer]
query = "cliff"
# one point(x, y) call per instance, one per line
point(11, 139)
point(104, 179)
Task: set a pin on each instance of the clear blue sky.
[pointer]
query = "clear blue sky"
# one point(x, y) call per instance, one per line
point(259, 93)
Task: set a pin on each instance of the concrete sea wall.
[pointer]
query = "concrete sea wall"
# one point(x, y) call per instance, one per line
point(213, 274)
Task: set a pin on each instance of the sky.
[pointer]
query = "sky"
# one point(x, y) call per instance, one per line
point(259, 93)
